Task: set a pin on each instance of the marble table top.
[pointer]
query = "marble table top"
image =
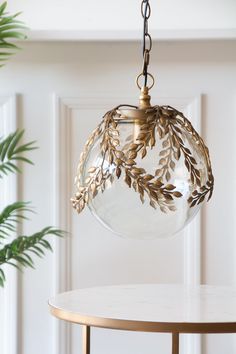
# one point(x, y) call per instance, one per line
point(151, 308)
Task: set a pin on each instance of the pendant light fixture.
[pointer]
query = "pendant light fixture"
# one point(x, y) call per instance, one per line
point(144, 171)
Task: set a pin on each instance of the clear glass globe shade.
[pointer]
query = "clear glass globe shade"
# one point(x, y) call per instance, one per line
point(119, 207)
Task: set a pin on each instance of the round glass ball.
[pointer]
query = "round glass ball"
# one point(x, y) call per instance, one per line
point(128, 206)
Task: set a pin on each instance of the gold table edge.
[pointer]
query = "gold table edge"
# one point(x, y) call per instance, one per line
point(144, 326)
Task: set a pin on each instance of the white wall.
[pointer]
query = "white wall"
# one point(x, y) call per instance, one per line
point(79, 74)
point(173, 19)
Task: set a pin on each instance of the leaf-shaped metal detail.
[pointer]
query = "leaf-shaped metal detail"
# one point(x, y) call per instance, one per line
point(170, 126)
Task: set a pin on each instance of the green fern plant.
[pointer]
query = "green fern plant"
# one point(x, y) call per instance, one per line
point(19, 251)
point(10, 152)
point(10, 29)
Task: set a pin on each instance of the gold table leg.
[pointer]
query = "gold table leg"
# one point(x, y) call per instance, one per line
point(175, 343)
point(86, 339)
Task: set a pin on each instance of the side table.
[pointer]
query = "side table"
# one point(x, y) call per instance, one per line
point(149, 308)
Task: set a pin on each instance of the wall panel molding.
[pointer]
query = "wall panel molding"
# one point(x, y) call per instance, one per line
point(62, 111)
point(192, 240)
point(128, 35)
point(62, 248)
point(8, 295)
point(63, 108)
point(192, 233)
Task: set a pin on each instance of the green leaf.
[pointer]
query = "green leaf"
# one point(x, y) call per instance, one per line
point(8, 45)
point(6, 168)
point(16, 137)
point(3, 7)
point(13, 166)
point(5, 146)
point(3, 54)
point(17, 252)
point(12, 34)
point(2, 274)
point(11, 215)
point(10, 29)
point(19, 158)
point(10, 19)
point(7, 27)
point(11, 151)
point(26, 147)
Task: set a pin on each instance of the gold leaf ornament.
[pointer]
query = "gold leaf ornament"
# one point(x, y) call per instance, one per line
point(161, 123)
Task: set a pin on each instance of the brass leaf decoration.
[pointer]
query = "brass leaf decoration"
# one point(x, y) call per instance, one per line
point(170, 126)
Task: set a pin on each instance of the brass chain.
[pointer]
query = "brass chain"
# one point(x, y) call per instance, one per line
point(147, 42)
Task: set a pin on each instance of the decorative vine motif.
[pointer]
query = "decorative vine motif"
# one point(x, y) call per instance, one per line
point(137, 177)
point(169, 125)
point(198, 196)
point(200, 193)
point(96, 181)
point(134, 176)
point(167, 156)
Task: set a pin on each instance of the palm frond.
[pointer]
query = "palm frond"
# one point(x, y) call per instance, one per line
point(19, 251)
point(10, 216)
point(10, 29)
point(11, 151)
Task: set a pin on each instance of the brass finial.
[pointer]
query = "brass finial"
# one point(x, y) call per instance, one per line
point(144, 98)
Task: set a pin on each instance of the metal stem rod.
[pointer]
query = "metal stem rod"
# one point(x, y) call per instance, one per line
point(86, 339)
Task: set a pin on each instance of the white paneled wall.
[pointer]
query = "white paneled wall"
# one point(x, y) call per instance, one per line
point(63, 89)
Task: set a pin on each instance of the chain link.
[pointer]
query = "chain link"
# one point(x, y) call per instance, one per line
point(147, 39)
